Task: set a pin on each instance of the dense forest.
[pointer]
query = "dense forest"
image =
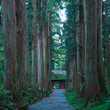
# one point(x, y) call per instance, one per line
point(38, 36)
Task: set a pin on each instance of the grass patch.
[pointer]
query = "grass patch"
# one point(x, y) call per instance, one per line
point(78, 103)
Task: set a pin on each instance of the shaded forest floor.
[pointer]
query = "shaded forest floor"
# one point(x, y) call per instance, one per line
point(78, 103)
point(7, 101)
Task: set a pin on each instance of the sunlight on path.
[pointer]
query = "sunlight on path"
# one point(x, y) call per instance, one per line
point(56, 101)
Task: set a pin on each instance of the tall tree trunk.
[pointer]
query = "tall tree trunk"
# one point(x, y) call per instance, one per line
point(74, 72)
point(45, 47)
point(82, 48)
point(67, 66)
point(92, 87)
point(100, 70)
point(49, 52)
point(70, 75)
point(41, 43)
point(77, 83)
point(104, 38)
point(46, 55)
point(11, 80)
point(26, 47)
point(77, 53)
point(34, 47)
point(107, 43)
point(74, 63)
point(22, 43)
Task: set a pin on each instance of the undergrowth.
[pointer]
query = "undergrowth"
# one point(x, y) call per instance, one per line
point(78, 103)
point(8, 103)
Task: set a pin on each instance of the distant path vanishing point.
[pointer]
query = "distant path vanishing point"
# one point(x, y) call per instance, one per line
point(56, 101)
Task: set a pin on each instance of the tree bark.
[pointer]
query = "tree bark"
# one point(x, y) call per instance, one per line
point(77, 53)
point(22, 44)
point(39, 41)
point(45, 47)
point(92, 87)
point(41, 44)
point(82, 49)
point(100, 70)
point(46, 55)
point(34, 46)
point(11, 81)
point(49, 52)
point(107, 43)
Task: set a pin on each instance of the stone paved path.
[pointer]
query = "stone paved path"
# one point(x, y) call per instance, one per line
point(56, 101)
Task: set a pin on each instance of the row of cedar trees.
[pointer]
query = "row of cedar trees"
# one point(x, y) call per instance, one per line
point(85, 69)
point(16, 48)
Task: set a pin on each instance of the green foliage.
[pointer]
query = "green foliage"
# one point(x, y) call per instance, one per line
point(57, 43)
point(78, 103)
point(70, 29)
point(74, 100)
point(6, 100)
point(30, 96)
point(58, 76)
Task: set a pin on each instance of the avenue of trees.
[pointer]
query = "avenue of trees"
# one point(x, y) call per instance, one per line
point(34, 40)
point(17, 65)
point(87, 41)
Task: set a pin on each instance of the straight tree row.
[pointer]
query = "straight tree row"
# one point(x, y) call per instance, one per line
point(83, 31)
point(17, 65)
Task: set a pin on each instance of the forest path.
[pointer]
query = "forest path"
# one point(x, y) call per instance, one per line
point(56, 101)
